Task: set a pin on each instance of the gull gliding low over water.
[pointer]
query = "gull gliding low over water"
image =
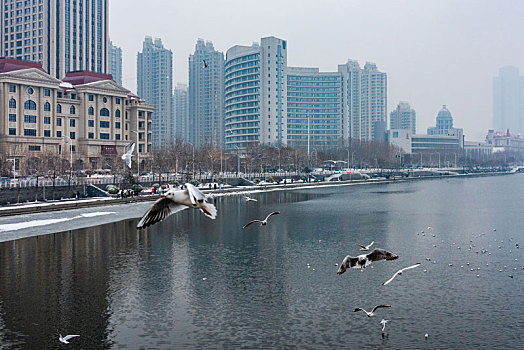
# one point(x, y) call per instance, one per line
point(372, 313)
point(65, 340)
point(364, 260)
point(249, 199)
point(262, 222)
point(175, 200)
point(399, 272)
point(366, 247)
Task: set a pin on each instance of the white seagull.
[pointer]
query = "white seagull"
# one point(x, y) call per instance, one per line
point(364, 260)
point(127, 156)
point(175, 200)
point(399, 272)
point(383, 323)
point(249, 199)
point(66, 338)
point(262, 222)
point(366, 247)
point(372, 313)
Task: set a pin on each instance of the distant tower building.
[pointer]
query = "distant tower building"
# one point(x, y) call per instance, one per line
point(444, 124)
point(63, 36)
point(116, 63)
point(255, 94)
point(365, 91)
point(508, 100)
point(403, 118)
point(155, 86)
point(206, 95)
point(181, 111)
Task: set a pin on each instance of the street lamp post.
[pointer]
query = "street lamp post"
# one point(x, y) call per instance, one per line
point(238, 159)
point(192, 145)
point(70, 154)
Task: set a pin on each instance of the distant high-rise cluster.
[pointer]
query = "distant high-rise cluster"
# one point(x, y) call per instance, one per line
point(206, 95)
point(155, 85)
point(403, 118)
point(116, 63)
point(181, 111)
point(508, 100)
point(63, 36)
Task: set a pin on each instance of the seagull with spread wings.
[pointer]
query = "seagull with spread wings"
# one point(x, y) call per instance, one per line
point(175, 200)
point(364, 260)
point(65, 340)
point(372, 313)
point(399, 272)
point(262, 222)
point(127, 156)
point(366, 247)
point(249, 199)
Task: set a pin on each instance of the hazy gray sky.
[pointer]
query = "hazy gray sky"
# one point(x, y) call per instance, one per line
point(435, 52)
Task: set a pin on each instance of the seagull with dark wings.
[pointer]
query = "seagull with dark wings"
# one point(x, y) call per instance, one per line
point(372, 313)
point(205, 64)
point(262, 222)
point(175, 200)
point(364, 260)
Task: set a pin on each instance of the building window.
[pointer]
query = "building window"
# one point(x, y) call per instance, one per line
point(72, 110)
point(104, 136)
point(104, 112)
point(12, 88)
point(12, 103)
point(73, 96)
point(59, 108)
point(29, 132)
point(117, 113)
point(29, 118)
point(117, 136)
point(104, 100)
point(59, 94)
point(47, 120)
point(47, 107)
point(117, 125)
point(117, 100)
point(34, 147)
point(104, 124)
point(90, 135)
point(395, 134)
point(90, 111)
point(91, 123)
point(47, 133)
point(30, 90)
point(58, 121)
point(31, 105)
point(91, 97)
point(12, 131)
point(47, 92)
point(72, 123)
point(58, 133)
point(72, 135)
point(12, 117)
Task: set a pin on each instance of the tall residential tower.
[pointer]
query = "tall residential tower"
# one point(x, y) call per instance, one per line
point(116, 63)
point(181, 111)
point(155, 85)
point(63, 36)
point(508, 100)
point(206, 95)
point(403, 118)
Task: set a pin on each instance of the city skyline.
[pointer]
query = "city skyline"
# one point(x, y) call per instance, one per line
point(434, 53)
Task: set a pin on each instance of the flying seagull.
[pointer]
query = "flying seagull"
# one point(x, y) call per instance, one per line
point(205, 64)
point(366, 247)
point(127, 156)
point(364, 260)
point(372, 313)
point(383, 323)
point(65, 339)
point(249, 199)
point(262, 222)
point(175, 200)
point(399, 272)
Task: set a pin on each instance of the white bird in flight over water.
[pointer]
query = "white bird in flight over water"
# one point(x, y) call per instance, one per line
point(364, 260)
point(372, 313)
point(249, 199)
point(366, 247)
point(399, 272)
point(65, 339)
point(127, 156)
point(262, 222)
point(175, 200)
point(383, 323)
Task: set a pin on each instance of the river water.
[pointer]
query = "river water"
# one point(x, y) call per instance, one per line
point(194, 283)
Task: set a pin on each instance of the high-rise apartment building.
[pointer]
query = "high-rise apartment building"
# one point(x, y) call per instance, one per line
point(181, 111)
point(403, 118)
point(508, 100)
point(63, 36)
point(314, 108)
point(155, 85)
point(255, 94)
point(365, 91)
point(116, 63)
point(206, 95)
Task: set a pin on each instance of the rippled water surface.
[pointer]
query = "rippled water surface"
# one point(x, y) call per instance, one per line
point(195, 283)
